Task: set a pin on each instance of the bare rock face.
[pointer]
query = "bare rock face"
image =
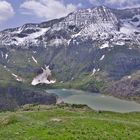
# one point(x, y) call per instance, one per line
point(128, 87)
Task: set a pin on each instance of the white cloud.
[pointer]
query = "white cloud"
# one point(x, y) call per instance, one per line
point(95, 2)
point(131, 6)
point(122, 3)
point(116, 3)
point(48, 9)
point(6, 11)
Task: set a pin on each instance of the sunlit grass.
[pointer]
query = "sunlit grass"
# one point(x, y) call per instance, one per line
point(68, 123)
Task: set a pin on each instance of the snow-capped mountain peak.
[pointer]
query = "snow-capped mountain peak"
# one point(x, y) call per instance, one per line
point(99, 23)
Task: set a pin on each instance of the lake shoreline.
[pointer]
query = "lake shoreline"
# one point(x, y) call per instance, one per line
point(96, 101)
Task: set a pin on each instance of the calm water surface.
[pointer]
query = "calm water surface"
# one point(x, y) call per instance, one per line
point(95, 101)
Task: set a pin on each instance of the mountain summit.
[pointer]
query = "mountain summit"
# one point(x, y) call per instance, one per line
point(99, 45)
point(98, 23)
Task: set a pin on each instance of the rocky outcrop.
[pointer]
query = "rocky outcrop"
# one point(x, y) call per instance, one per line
point(128, 87)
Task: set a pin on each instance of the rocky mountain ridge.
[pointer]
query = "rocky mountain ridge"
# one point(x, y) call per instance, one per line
point(97, 23)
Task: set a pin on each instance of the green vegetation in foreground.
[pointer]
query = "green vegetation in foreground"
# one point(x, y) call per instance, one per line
point(68, 122)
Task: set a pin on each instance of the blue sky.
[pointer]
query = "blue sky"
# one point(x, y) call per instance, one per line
point(15, 13)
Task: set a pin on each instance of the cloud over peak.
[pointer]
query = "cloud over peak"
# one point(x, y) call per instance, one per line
point(47, 9)
point(116, 3)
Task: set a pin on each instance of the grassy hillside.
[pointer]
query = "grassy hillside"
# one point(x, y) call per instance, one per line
point(84, 82)
point(68, 122)
point(73, 67)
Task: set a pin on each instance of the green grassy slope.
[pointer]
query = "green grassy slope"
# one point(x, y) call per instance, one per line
point(68, 123)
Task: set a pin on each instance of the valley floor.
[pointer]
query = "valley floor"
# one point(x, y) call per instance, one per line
point(68, 122)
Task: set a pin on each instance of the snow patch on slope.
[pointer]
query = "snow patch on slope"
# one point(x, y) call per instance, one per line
point(34, 60)
point(31, 37)
point(105, 45)
point(58, 41)
point(18, 78)
point(43, 78)
point(103, 56)
point(93, 72)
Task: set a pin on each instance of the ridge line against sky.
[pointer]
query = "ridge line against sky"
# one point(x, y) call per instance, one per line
point(15, 13)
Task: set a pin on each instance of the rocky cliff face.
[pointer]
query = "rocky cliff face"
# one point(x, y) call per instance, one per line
point(101, 42)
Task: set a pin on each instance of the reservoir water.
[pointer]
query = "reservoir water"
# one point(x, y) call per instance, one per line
point(95, 101)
